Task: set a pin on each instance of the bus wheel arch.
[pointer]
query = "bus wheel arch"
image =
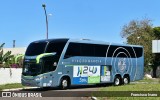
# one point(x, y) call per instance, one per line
point(126, 79)
point(65, 82)
point(117, 80)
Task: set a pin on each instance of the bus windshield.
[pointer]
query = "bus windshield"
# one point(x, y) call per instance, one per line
point(36, 48)
point(32, 69)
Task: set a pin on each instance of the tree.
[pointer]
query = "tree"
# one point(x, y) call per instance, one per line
point(17, 61)
point(5, 58)
point(156, 31)
point(141, 32)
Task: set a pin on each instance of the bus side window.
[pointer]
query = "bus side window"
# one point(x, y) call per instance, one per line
point(87, 50)
point(125, 51)
point(48, 66)
point(55, 47)
point(74, 49)
point(139, 51)
point(100, 50)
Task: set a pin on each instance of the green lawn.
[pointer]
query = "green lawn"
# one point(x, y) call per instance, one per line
point(143, 85)
point(10, 86)
point(134, 87)
point(150, 80)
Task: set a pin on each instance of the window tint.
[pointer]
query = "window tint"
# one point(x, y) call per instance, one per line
point(55, 47)
point(115, 52)
point(96, 50)
point(100, 50)
point(50, 63)
point(48, 66)
point(87, 50)
point(124, 51)
point(139, 51)
point(74, 49)
point(36, 48)
point(83, 49)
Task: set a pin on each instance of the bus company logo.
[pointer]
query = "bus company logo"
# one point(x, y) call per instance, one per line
point(122, 64)
point(85, 70)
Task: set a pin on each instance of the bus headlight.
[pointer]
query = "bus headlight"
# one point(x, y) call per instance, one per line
point(38, 78)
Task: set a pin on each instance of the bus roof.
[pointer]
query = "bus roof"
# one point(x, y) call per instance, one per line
point(99, 42)
point(85, 41)
point(50, 40)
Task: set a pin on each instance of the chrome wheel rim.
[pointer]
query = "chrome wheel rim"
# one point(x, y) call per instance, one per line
point(64, 83)
point(125, 80)
point(117, 81)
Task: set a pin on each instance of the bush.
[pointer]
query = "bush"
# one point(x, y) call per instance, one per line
point(148, 69)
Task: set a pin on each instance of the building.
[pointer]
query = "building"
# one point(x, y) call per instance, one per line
point(15, 51)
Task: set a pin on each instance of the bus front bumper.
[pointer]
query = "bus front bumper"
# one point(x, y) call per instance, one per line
point(30, 82)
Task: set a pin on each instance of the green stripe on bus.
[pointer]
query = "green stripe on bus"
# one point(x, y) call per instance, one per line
point(105, 68)
point(42, 55)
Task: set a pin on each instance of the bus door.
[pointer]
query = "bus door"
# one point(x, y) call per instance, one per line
point(105, 73)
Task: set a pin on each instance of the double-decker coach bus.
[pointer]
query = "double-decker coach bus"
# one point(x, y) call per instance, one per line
point(67, 62)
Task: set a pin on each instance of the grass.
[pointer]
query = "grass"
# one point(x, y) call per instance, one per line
point(141, 86)
point(10, 86)
point(134, 87)
point(150, 80)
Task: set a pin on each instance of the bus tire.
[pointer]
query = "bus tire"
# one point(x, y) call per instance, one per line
point(46, 88)
point(117, 81)
point(64, 83)
point(126, 80)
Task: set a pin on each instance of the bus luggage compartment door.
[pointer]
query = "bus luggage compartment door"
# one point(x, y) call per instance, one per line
point(105, 73)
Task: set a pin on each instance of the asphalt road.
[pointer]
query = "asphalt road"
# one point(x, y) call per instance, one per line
point(76, 91)
point(73, 93)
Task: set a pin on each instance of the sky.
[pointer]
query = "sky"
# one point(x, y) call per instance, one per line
point(24, 20)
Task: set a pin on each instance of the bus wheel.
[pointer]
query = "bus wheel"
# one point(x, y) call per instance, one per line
point(46, 88)
point(126, 80)
point(64, 83)
point(117, 81)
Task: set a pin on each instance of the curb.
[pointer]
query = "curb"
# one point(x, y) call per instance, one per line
point(16, 89)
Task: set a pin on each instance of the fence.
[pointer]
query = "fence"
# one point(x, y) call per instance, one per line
point(8, 75)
